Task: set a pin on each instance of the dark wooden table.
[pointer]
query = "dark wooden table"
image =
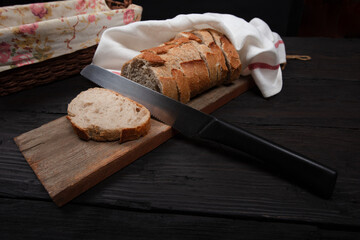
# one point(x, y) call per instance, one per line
point(188, 190)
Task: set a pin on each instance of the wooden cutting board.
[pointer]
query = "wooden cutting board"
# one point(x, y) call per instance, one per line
point(68, 166)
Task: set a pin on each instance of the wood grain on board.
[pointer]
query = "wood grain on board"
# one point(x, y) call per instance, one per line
point(68, 166)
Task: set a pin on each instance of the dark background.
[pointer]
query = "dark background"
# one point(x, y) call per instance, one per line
point(304, 18)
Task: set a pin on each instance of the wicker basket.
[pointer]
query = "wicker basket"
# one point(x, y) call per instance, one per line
point(57, 68)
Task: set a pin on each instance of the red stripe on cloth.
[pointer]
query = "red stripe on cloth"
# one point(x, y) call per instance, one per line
point(278, 43)
point(253, 66)
point(116, 72)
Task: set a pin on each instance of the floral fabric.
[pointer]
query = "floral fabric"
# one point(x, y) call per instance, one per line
point(36, 32)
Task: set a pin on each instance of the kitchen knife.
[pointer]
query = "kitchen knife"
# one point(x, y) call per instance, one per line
point(192, 123)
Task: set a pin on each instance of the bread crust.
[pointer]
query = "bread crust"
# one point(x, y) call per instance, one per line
point(198, 76)
point(212, 55)
point(121, 134)
point(188, 60)
point(153, 59)
point(129, 134)
point(231, 56)
point(182, 85)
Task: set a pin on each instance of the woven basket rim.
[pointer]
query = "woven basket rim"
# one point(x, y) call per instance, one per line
point(53, 69)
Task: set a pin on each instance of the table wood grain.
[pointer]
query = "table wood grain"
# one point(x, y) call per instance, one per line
point(68, 166)
point(186, 189)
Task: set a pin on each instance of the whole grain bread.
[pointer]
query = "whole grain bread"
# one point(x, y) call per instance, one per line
point(187, 65)
point(104, 115)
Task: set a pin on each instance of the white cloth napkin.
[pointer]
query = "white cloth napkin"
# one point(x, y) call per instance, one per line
point(261, 50)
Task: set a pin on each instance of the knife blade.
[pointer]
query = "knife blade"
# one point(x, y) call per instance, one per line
point(192, 123)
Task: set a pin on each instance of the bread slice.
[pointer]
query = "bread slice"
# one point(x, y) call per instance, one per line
point(231, 56)
point(104, 115)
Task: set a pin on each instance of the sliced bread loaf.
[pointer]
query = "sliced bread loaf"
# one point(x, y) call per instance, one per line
point(104, 115)
point(187, 65)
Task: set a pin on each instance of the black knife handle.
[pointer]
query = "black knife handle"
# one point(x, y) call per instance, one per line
point(314, 176)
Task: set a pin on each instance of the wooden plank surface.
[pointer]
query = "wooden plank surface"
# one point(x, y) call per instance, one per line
point(68, 166)
point(93, 222)
point(186, 190)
